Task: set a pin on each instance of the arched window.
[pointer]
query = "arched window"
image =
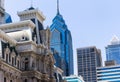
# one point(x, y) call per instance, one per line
point(7, 58)
point(26, 63)
point(25, 80)
point(3, 56)
point(5, 79)
point(10, 58)
point(13, 61)
point(18, 63)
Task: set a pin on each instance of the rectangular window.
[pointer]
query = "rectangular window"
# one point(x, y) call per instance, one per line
point(18, 64)
point(25, 80)
point(12, 61)
point(4, 79)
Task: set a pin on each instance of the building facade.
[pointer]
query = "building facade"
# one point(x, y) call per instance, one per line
point(25, 54)
point(74, 78)
point(108, 73)
point(88, 59)
point(61, 41)
point(113, 50)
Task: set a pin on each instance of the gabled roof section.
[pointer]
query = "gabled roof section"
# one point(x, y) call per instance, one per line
point(5, 37)
point(58, 22)
point(59, 17)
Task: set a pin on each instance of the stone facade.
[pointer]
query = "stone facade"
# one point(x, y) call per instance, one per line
point(25, 54)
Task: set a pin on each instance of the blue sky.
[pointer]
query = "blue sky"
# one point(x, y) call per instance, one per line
point(91, 22)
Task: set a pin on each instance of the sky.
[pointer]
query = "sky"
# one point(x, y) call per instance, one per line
point(91, 22)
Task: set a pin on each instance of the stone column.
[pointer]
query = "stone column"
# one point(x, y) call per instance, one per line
point(40, 80)
point(34, 80)
point(1, 76)
point(19, 80)
point(30, 80)
point(44, 64)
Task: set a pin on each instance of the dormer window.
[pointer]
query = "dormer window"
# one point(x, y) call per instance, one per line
point(23, 38)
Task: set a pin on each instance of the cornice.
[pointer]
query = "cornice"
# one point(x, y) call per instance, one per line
point(27, 42)
point(35, 11)
point(33, 47)
point(11, 67)
point(18, 25)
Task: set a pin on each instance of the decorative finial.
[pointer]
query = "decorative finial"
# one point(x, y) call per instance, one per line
point(57, 6)
point(31, 3)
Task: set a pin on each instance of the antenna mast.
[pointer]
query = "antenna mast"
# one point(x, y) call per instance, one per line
point(57, 6)
point(31, 3)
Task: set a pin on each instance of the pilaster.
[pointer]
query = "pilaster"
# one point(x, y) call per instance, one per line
point(1, 76)
point(30, 80)
point(34, 80)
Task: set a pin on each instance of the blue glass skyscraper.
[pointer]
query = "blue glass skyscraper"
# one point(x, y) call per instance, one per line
point(113, 50)
point(61, 41)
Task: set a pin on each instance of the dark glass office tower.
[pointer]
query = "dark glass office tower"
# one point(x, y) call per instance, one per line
point(89, 58)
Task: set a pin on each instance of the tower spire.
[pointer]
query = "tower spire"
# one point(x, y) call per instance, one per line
point(31, 3)
point(57, 6)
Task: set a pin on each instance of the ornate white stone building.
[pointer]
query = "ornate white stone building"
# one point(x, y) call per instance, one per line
point(25, 54)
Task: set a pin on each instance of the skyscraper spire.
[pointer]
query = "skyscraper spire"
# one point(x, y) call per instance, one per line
point(57, 6)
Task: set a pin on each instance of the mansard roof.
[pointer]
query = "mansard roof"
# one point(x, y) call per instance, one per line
point(31, 8)
point(8, 18)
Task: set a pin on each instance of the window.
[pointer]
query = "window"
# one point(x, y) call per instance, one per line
point(18, 64)
point(7, 58)
point(26, 63)
point(4, 79)
point(23, 38)
point(3, 55)
point(25, 80)
point(10, 80)
point(12, 61)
